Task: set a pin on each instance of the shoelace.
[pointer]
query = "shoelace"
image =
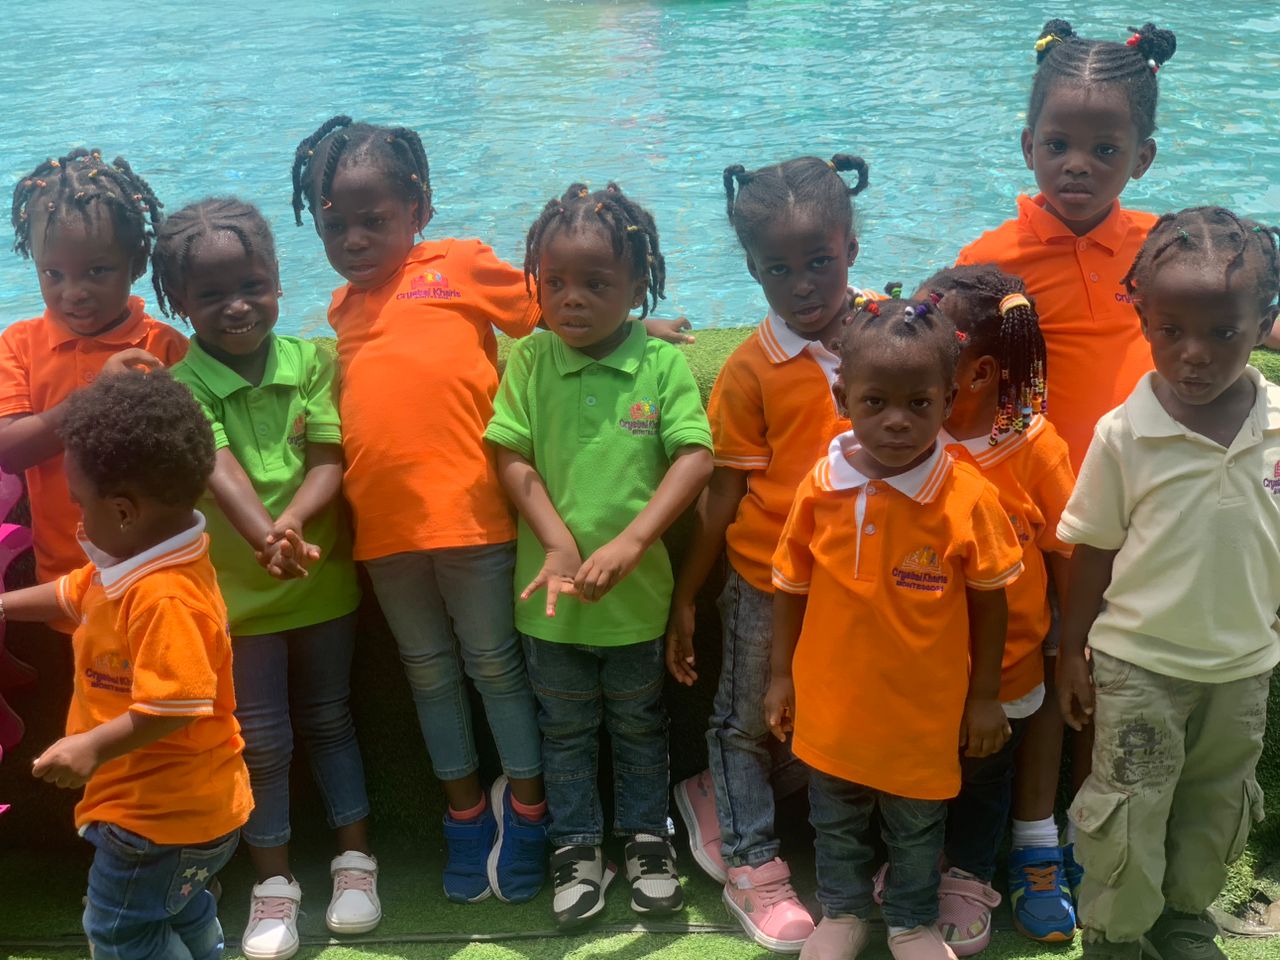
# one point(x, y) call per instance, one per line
point(360, 880)
point(775, 891)
point(1042, 879)
point(566, 873)
point(654, 864)
point(273, 908)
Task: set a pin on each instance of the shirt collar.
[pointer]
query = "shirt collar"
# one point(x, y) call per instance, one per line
point(781, 343)
point(126, 334)
point(1149, 418)
point(117, 576)
point(224, 381)
point(921, 483)
point(626, 357)
point(1110, 234)
point(424, 252)
point(985, 453)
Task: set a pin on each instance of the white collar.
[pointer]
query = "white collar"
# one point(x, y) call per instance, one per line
point(987, 454)
point(781, 343)
point(921, 483)
point(118, 575)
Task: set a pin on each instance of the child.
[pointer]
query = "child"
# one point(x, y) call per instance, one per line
point(889, 579)
point(996, 426)
point(151, 734)
point(1089, 123)
point(1174, 590)
point(278, 478)
point(88, 225)
point(601, 443)
point(772, 415)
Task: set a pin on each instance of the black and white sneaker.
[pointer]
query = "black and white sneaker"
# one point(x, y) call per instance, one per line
point(651, 869)
point(581, 875)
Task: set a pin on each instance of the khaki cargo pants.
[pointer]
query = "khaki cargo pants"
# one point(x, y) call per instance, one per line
point(1171, 797)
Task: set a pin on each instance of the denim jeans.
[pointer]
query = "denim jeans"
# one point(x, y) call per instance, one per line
point(843, 815)
point(748, 764)
point(978, 818)
point(577, 686)
point(454, 610)
point(147, 901)
point(298, 680)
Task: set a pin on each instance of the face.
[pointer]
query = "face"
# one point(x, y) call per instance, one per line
point(585, 290)
point(231, 297)
point(369, 228)
point(85, 274)
point(1084, 150)
point(802, 264)
point(108, 521)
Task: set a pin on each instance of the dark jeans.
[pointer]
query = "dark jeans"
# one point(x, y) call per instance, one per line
point(978, 818)
point(842, 814)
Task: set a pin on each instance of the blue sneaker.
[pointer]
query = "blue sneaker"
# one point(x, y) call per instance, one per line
point(517, 864)
point(468, 844)
point(1074, 873)
point(1039, 895)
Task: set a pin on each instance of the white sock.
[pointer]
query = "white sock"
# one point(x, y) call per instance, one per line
point(1035, 833)
point(894, 931)
point(1071, 832)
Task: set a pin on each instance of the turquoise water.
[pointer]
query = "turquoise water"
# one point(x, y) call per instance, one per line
point(515, 99)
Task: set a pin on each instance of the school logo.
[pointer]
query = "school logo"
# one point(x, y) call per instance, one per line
point(429, 285)
point(298, 431)
point(1272, 482)
point(921, 569)
point(111, 672)
point(1019, 528)
point(642, 419)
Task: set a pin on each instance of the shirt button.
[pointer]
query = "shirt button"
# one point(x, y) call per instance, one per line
point(1093, 277)
point(870, 530)
point(591, 401)
point(1082, 244)
point(871, 490)
point(262, 429)
point(87, 376)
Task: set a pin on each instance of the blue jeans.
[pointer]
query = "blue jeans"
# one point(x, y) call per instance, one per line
point(978, 818)
point(842, 813)
point(147, 901)
point(454, 610)
point(748, 764)
point(298, 680)
point(577, 686)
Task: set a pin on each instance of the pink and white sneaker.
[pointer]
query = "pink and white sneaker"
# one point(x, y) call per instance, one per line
point(920, 943)
point(354, 907)
point(964, 912)
point(763, 901)
point(696, 800)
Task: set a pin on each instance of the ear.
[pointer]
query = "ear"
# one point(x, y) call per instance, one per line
point(417, 213)
point(1146, 157)
point(1142, 322)
point(279, 288)
point(124, 509)
point(1027, 145)
point(638, 295)
point(985, 371)
point(1265, 328)
point(950, 399)
point(837, 391)
point(751, 269)
point(853, 250)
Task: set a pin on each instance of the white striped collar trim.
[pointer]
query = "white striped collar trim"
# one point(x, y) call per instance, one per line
point(781, 343)
point(117, 576)
point(921, 483)
point(986, 455)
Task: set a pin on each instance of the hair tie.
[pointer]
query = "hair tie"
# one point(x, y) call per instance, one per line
point(895, 291)
point(584, 192)
point(631, 227)
point(859, 302)
point(41, 184)
point(600, 207)
point(1183, 235)
point(1134, 40)
point(1044, 43)
point(54, 164)
point(873, 308)
point(1155, 67)
point(325, 203)
point(1011, 301)
point(962, 337)
point(935, 298)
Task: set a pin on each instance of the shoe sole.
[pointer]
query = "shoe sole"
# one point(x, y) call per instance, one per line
point(696, 843)
point(657, 910)
point(1056, 936)
point(270, 956)
point(344, 929)
point(477, 899)
point(610, 871)
point(500, 814)
point(766, 941)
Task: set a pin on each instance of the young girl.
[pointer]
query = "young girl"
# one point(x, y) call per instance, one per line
point(602, 443)
point(889, 580)
point(1089, 123)
point(996, 425)
point(88, 225)
point(276, 492)
point(1174, 590)
point(772, 414)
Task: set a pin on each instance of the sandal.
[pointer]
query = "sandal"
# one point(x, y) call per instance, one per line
point(1183, 936)
point(964, 912)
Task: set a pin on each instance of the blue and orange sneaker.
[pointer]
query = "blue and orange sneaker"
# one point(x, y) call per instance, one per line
point(1074, 873)
point(1043, 909)
point(467, 844)
point(517, 864)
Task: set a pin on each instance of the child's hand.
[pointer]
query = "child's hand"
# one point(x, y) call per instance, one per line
point(671, 331)
point(134, 358)
point(680, 643)
point(606, 567)
point(68, 763)
point(287, 527)
point(780, 706)
point(1075, 690)
point(280, 558)
point(986, 728)
point(556, 575)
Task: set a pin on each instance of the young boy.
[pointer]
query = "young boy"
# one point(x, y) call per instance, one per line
point(151, 734)
point(1174, 589)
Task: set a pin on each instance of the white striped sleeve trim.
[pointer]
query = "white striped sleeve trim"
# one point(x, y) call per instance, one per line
point(175, 708)
point(743, 463)
point(788, 586)
point(995, 583)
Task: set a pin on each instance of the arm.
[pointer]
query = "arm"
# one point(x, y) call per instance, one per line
point(780, 700)
point(1060, 569)
point(322, 483)
point(716, 509)
point(689, 472)
point(1089, 577)
point(236, 498)
point(985, 726)
point(71, 761)
point(36, 604)
point(671, 331)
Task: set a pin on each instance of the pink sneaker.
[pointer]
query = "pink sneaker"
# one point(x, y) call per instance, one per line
point(696, 800)
point(920, 943)
point(762, 900)
point(838, 938)
point(964, 912)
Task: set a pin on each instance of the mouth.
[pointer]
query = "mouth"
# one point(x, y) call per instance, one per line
point(810, 311)
point(1194, 386)
point(241, 330)
point(1075, 193)
point(361, 269)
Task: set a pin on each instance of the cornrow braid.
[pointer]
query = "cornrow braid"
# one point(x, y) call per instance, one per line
point(994, 317)
point(630, 227)
point(905, 321)
point(397, 151)
point(79, 183)
point(178, 234)
point(755, 198)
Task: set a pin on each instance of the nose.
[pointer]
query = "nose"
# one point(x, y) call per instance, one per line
point(1076, 162)
point(354, 241)
point(573, 296)
point(75, 293)
point(237, 307)
point(803, 286)
point(1196, 352)
point(897, 421)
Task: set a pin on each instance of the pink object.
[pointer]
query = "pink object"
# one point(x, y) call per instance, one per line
point(14, 540)
point(964, 912)
point(836, 938)
point(920, 943)
point(696, 801)
point(763, 901)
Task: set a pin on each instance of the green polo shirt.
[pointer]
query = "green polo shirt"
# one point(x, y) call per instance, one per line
point(601, 434)
point(267, 428)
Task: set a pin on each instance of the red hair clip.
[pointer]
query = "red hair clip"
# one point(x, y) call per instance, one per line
point(873, 308)
point(962, 336)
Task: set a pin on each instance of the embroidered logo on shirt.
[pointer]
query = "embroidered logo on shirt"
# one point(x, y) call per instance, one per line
point(1272, 482)
point(1019, 528)
point(921, 569)
point(298, 432)
point(110, 671)
point(429, 285)
point(642, 419)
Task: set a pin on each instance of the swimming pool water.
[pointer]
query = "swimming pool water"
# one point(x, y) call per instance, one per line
point(516, 98)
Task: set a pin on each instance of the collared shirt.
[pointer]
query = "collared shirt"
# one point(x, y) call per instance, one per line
point(267, 428)
point(419, 371)
point(1096, 350)
point(1031, 471)
point(1196, 581)
point(152, 638)
point(601, 434)
point(41, 362)
point(881, 668)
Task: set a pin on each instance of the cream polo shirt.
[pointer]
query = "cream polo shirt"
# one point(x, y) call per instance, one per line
point(1196, 582)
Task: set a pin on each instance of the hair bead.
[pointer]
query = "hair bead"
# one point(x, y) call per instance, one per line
point(1011, 301)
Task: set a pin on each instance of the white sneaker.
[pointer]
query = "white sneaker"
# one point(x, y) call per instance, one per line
point(354, 907)
point(581, 875)
point(272, 933)
point(651, 868)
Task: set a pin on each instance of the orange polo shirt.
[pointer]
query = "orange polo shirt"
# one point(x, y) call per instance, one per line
point(418, 359)
point(41, 362)
point(1032, 473)
point(1094, 341)
point(152, 638)
point(772, 415)
point(882, 665)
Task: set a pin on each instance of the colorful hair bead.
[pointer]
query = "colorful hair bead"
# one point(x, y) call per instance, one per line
point(1011, 301)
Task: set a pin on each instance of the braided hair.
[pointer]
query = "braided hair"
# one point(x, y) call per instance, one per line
point(764, 195)
point(994, 318)
point(178, 234)
point(397, 151)
point(80, 183)
point(907, 323)
point(630, 227)
point(1063, 57)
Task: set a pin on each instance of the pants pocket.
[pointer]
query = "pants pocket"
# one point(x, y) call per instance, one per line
point(196, 867)
point(1104, 820)
point(1251, 811)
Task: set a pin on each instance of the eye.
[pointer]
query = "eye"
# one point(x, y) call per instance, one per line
point(373, 223)
point(777, 270)
point(1226, 334)
point(921, 403)
point(252, 286)
point(1169, 332)
point(873, 403)
point(100, 271)
point(1055, 146)
point(553, 283)
point(596, 284)
point(817, 263)
point(52, 274)
point(1106, 150)
point(331, 226)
